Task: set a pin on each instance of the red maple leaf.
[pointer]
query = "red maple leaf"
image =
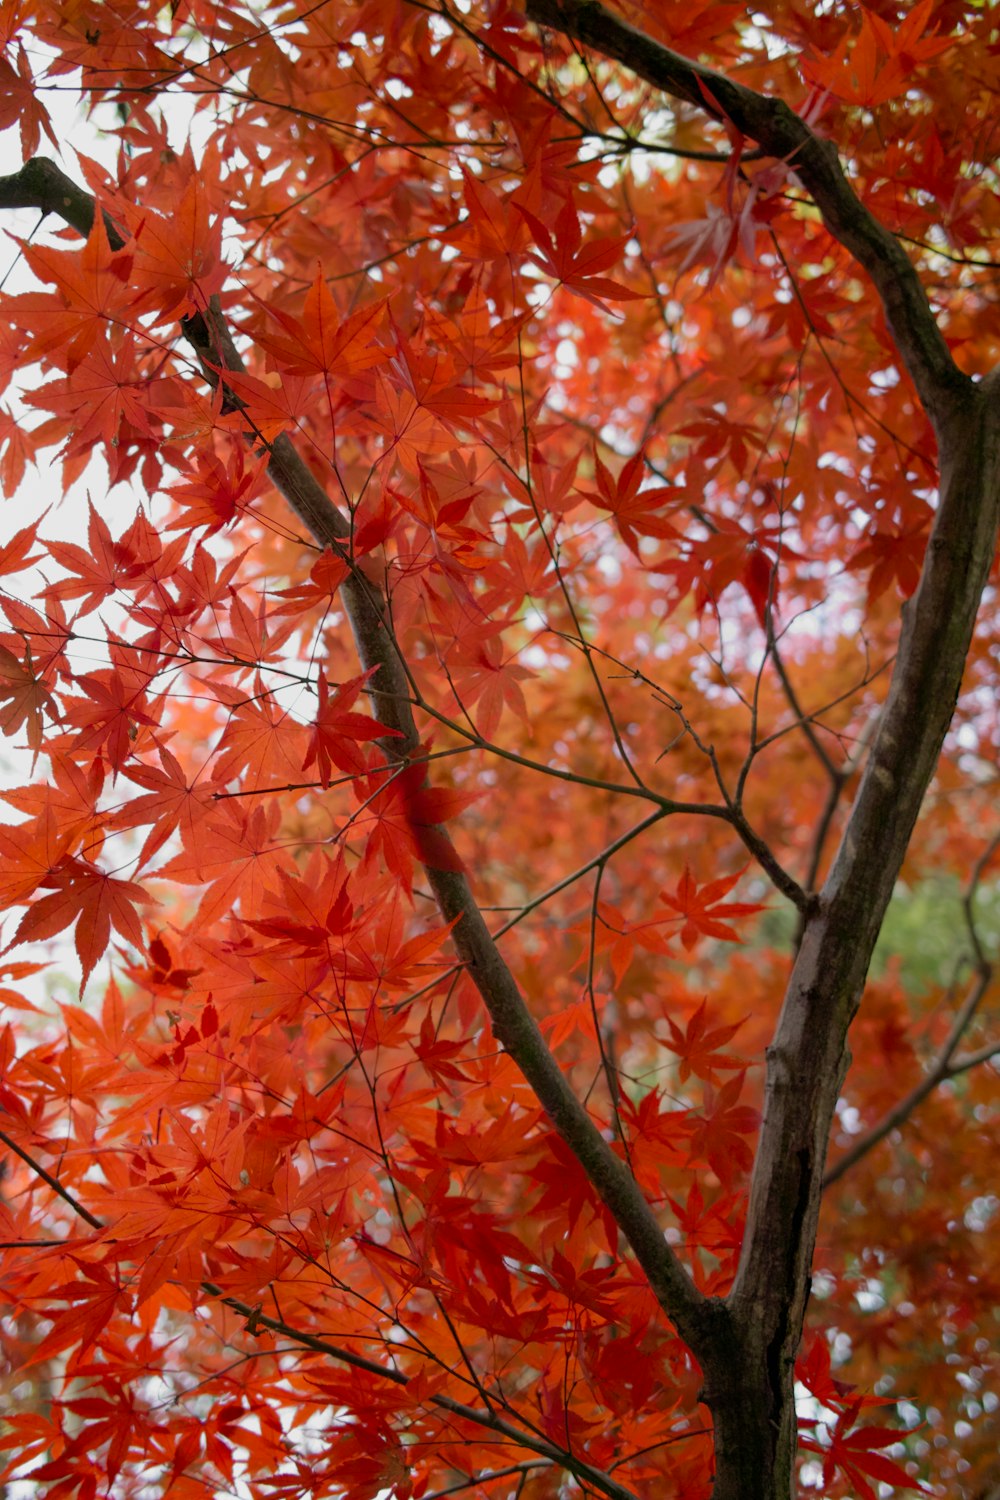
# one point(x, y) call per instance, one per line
point(494, 228)
point(325, 577)
point(111, 719)
point(238, 855)
point(879, 64)
point(854, 1451)
point(701, 909)
point(698, 1047)
point(322, 342)
point(260, 745)
point(893, 555)
point(338, 728)
point(171, 804)
point(562, 255)
point(815, 1372)
point(719, 1132)
point(91, 1300)
point(20, 104)
point(25, 697)
point(632, 507)
point(732, 554)
point(30, 852)
point(16, 555)
point(269, 404)
point(96, 570)
point(18, 448)
point(408, 815)
point(217, 492)
point(103, 391)
point(178, 260)
point(92, 899)
point(92, 289)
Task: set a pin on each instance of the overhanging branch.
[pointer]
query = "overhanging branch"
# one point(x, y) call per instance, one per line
point(946, 1064)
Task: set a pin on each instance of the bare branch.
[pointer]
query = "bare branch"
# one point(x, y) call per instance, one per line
point(804, 721)
point(487, 1477)
point(905, 1107)
point(969, 1060)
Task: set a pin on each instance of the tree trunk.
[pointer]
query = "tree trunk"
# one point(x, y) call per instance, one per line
point(750, 1366)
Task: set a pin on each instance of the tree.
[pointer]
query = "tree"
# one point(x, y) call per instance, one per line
point(571, 468)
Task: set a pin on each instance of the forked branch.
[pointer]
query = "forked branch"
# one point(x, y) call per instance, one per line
point(749, 1385)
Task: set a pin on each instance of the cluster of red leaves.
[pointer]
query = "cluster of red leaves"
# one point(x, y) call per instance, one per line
point(281, 1214)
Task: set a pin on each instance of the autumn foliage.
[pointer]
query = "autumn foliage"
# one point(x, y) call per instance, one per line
point(508, 467)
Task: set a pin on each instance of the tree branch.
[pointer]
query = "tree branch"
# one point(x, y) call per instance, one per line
point(749, 1375)
point(904, 1108)
point(969, 1060)
point(42, 185)
point(53, 1182)
point(560, 1456)
point(803, 720)
point(486, 1477)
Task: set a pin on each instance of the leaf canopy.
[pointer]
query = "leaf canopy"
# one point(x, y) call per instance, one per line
point(524, 483)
